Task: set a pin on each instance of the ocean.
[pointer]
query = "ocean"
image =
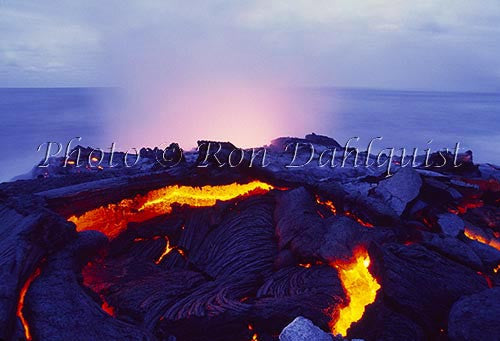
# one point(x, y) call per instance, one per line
point(32, 116)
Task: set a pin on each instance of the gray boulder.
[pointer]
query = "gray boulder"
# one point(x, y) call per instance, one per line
point(476, 317)
point(450, 224)
point(398, 190)
point(302, 329)
point(452, 248)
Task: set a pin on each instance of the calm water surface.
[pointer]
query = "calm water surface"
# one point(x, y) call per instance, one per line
point(29, 117)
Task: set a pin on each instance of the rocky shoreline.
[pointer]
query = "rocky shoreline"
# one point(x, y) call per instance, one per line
point(211, 252)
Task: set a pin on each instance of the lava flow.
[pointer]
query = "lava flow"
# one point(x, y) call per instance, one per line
point(358, 219)
point(331, 207)
point(20, 304)
point(474, 236)
point(255, 337)
point(112, 219)
point(165, 252)
point(89, 280)
point(328, 204)
point(360, 287)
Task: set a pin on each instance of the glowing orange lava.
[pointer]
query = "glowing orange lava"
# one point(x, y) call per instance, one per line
point(166, 251)
point(465, 206)
point(327, 203)
point(107, 308)
point(495, 270)
point(255, 337)
point(112, 219)
point(360, 287)
point(474, 236)
point(181, 252)
point(331, 206)
point(359, 220)
point(20, 304)
point(89, 280)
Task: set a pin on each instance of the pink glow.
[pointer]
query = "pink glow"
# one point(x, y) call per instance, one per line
point(247, 116)
point(205, 90)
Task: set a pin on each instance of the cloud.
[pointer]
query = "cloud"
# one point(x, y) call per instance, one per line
point(373, 43)
point(41, 48)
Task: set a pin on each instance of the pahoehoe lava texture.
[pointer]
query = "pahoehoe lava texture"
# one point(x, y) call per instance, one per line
point(244, 267)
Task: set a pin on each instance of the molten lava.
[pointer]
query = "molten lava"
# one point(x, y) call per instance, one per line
point(255, 337)
point(331, 207)
point(360, 287)
point(328, 204)
point(20, 304)
point(474, 236)
point(359, 220)
point(166, 251)
point(466, 205)
point(107, 308)
point(112, 219)
point(495, 270)
point(488, 280)
point(89, 280)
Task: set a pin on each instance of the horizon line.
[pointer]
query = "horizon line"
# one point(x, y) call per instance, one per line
point(309, 87)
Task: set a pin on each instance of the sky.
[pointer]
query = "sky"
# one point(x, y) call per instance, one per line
point(229, 69)
point(426, 45)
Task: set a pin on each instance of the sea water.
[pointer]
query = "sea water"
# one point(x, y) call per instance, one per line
point(30, 117)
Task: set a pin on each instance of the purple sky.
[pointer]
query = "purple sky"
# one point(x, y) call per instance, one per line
point(437, 45)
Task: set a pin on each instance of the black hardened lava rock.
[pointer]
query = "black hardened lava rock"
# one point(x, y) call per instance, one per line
point(245, 266)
